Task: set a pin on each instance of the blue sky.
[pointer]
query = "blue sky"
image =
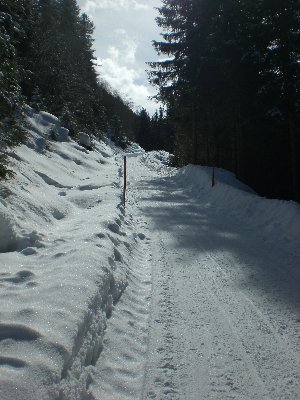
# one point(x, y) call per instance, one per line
point(123, 35)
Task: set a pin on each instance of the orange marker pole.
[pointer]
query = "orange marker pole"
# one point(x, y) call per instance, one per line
point(125, 180)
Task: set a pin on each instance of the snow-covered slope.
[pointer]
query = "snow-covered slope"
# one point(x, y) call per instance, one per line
point(62, 239)
point(191, 292)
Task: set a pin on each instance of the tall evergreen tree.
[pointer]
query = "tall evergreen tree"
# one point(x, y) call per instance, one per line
point(230, 81)
point(11, 33)
point(143, 135)
point(45, 54)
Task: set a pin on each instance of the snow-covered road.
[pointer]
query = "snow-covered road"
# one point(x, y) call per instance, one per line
point(192, 293)
point(224, 317)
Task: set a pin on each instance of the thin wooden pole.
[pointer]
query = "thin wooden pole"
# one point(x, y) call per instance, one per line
point(125, 180)
point(213, 181)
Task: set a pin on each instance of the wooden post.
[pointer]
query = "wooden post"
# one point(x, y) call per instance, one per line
point(125, 180)
point(213, 182)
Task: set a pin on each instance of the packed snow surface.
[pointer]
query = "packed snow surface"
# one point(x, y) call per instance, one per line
point(189, 292)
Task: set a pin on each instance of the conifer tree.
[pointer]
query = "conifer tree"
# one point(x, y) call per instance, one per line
point(230, 81)
point(11, 33)
point(143, 135)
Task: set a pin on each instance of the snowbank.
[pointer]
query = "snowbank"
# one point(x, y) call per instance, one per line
point(63, 245)
point(157, 160)
point(45, 125)
point(85, 139)
point(275, 220)
point(134, 149)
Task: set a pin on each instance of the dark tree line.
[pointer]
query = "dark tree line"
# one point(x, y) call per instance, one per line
point(48, 62)
point(156, 132)
point(230, 81)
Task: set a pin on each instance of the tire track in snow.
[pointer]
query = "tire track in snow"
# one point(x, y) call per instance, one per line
point(208, 340)
point(268, 352)
point(189, 355)
point(161, 366)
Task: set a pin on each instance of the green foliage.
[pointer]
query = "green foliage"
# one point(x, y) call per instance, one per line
point(10, 91)
point(11, 133)
point(11, 34)
point(5, 172)
point(156, 132)
point(68, 120)
point(37, 100)
point(230, 81)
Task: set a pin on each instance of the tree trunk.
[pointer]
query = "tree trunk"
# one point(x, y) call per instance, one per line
point(238, 145)
point(294, 156)
point(195, 135)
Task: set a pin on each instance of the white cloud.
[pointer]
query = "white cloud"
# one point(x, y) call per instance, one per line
point(119, 76)
point(91, 5)
point(124, 31)
point(127, 47)
point(126, 81)
point(113, 52)
point(120, 70)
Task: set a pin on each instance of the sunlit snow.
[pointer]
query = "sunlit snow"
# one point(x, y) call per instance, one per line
point(190, 292)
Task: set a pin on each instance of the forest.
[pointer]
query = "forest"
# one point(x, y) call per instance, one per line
point(229, 77)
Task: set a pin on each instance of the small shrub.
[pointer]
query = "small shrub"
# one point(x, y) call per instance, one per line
point(5, 172)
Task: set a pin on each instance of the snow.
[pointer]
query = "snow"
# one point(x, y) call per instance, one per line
point(85, 139)
point(189, 292)
point(46, 125)
point(275, 220)
point(59, 271)
point(157, 160)
point(134, 149)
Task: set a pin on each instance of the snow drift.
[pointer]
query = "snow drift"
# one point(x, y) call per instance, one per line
point(275, 220)
point(63, 243)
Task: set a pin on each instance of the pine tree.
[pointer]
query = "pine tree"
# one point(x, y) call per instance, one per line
point(282, 74)
point(45, 55)
point(143, 135)
point(171, 75)
point(11, 99)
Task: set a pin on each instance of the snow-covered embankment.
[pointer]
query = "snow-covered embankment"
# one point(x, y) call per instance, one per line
point(64, 242)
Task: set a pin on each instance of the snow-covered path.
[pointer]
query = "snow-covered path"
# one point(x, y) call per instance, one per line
point(224, 318)
point(191, 293)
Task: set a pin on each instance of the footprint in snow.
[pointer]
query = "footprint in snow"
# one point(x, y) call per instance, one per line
point(28, 251)
point(100, 235)
point(12, 362)
point(18, 333)
point(19, 277)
